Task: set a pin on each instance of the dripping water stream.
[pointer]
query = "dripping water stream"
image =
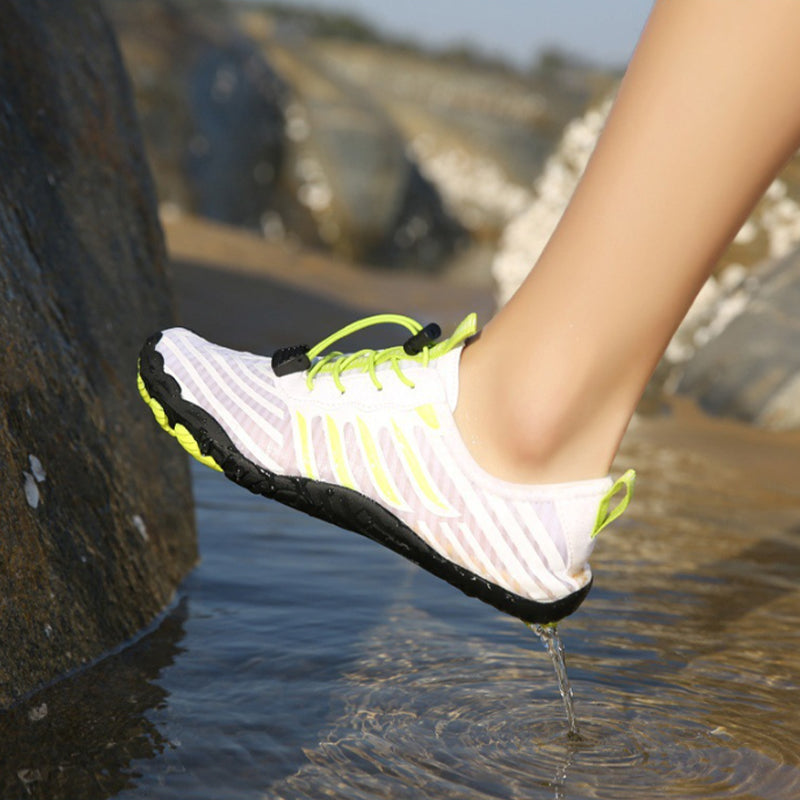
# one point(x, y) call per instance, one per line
point(555, 648)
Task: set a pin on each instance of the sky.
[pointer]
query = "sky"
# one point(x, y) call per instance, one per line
point(604, 31)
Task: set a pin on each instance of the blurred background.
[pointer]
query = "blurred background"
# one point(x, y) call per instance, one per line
point(396, 135)
point(413, 156)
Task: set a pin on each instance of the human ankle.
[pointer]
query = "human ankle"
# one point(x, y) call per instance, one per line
point(525, 438)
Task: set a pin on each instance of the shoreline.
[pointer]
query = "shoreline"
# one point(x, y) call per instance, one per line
point(236, 288)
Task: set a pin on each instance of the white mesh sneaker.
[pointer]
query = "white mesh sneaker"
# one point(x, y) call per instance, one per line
point(368, 441)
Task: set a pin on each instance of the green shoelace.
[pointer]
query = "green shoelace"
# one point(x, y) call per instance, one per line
point(420, 348)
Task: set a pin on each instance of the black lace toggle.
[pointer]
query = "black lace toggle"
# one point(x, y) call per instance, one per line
point(290, 359)
point(425, 338)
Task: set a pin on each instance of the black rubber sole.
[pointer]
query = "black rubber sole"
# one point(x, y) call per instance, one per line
point(341, 506)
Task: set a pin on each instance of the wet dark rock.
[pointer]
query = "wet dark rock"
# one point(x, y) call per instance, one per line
point(96, 525)
point(348, 164)
point(234, 156)
point(104, 712)
point(422, 234)
point(751, 371)
point(211, 108)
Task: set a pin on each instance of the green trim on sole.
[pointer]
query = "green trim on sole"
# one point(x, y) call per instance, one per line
point(181, 433)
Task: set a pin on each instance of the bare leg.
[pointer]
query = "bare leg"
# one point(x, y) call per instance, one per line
point(707, 113)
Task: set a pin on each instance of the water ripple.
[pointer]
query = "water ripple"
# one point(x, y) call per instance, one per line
point(304, 662)
point(431, 714)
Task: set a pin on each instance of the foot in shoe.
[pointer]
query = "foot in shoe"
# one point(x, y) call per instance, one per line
point(367, 440)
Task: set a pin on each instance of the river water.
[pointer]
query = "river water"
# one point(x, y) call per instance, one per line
point(300, 661)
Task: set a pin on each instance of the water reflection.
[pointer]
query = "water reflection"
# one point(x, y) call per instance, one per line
point(81, 737)
point(314, 664)
point(431, 712)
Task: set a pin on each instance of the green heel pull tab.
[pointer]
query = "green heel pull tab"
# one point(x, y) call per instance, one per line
point(606, 517)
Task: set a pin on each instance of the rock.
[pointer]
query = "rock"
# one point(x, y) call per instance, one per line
point(250, 132)
point(526, 235)
point(211, 108)
point(751, 370)
point(348, 165)
point(234, 177)
point(96, 518)
point(479, 131)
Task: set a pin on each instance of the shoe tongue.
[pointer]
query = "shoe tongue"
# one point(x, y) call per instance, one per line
point(448, 364)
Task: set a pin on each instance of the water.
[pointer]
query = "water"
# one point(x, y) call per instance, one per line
point(300, 661)
point(555, 649)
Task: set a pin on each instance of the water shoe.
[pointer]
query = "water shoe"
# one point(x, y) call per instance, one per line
point(367, 441)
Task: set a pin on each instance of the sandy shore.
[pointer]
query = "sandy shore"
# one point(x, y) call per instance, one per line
point(235, 288)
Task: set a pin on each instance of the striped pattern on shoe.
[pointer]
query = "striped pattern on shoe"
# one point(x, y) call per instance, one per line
point(368, 441)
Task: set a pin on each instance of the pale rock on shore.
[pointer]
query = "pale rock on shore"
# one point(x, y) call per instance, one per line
point(526, 235)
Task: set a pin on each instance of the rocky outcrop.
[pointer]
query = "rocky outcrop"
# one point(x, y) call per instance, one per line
point(210, 105)
point(347, 165)
point(751, 370)
point(377, 152)
point(380, 152)
point(96, 524)
point(261, 137)
point(479, 132)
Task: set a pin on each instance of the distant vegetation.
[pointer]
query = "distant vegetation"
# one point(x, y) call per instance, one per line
point(323, 23)
point(328, 24)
